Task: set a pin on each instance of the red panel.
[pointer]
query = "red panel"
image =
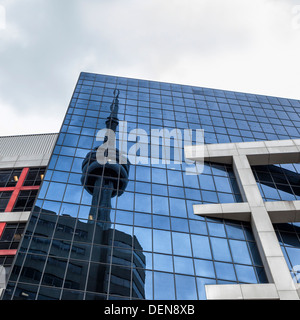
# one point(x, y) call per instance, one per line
point(8, 252)
point(22, 178)
point(2, 226)
point(12, 200)
point(7, 189)
point(30, 188)
point(16, 192)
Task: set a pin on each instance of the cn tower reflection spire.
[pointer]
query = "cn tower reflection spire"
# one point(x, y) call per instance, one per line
point(105, 181)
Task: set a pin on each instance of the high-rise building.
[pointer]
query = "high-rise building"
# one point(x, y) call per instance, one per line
point(23, 160)
point(155, 213)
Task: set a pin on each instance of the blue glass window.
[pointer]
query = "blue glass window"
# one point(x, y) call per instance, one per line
point(160, 205)
point(161, 222)
point(239, 252)
point(216, 229)
point(225, 271)
point(201, 247)
point(206, 182)
point(177, 207)
point(278, 182)
point(175, 178)
point(181, 244)
point(55, 191)
point(245, 274)
point(163, 262)
point(220, 249)
point(73, 194)
point(125, 202)
point(185, 288)
point(204, 268)
point(288, 236)
point(162, 241)
point(179, 225)
point(142, 202)
point(164, 288)
point(144, 237)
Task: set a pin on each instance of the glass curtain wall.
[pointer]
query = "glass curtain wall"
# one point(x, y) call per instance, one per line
point(106, 234)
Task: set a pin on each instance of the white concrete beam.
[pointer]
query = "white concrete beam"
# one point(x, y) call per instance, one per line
point(242, 292)
point(261, 215)
point(283, 211)
point(233, 211)
point(258, 152)
point(11, 217)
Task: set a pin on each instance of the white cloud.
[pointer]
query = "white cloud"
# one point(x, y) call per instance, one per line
point(20, 122)
point(248, 46)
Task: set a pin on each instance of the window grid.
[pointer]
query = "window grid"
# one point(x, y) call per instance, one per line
point(19, 188)
point(278, 182)
point(288, 235)
point(10, 236)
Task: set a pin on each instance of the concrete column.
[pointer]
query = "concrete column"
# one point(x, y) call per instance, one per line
point(272, 256)
point(261, 215)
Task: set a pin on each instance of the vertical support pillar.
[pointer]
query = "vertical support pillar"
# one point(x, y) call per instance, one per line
point(272, 256)
point(2, 227)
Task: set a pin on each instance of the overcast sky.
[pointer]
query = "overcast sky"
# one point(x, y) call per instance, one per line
point(241, 45)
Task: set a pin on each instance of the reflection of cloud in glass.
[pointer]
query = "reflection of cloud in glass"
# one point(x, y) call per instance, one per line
point(2, 18)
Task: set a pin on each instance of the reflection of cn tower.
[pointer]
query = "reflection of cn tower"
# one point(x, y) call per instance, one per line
point(105, 181)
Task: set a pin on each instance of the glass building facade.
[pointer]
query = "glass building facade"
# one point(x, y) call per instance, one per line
point(129, 231)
